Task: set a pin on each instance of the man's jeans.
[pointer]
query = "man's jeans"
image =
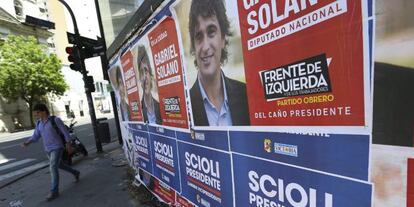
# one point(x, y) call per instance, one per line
point(55, 157)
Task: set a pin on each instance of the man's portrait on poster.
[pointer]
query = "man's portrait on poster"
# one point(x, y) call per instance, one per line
point(150, 106)
point(123, 103)
point(216, 99)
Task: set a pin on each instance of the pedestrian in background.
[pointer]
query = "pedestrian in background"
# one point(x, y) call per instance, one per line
point(51, 131)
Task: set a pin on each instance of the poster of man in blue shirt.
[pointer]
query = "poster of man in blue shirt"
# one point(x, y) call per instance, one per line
point(150, 106)
point(216, 99)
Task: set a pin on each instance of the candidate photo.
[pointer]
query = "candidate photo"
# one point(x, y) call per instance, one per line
point(218, 90)
point(150, 105)
point(116, 78)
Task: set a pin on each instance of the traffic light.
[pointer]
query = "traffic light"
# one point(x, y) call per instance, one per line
point(74, 56)
point(93, 51)
point(89, 83)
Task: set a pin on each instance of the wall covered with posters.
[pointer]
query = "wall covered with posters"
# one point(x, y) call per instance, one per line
point(392, 151)
point(271, 103)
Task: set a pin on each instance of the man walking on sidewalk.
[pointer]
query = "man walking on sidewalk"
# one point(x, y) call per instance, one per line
point(51, 131)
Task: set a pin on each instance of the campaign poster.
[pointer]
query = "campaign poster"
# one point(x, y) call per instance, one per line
point(393, 120)
point(143, 148)
point(147, 84)
point(165, 156)
point(392, 175)
point(346, 155)
point(167, 61)
point(276, 62)
point(117, 80)
point(182, 202)
point(262, 183)
point(305, 61)
point(131, 88)
point(410, 182)
point(164, 192)
point(206, 177)
point(214, 62)
point(162, 131)
point(146, 179)
point(137, 126)
point(129, 146)
point(209, 138)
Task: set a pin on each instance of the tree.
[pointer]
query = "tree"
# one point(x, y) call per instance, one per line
point(28, 72)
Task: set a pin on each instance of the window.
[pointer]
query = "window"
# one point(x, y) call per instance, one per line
point(97, 88)
point(18, 7)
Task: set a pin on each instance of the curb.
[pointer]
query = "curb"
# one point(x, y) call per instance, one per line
point(23, 176)
point(40, 168)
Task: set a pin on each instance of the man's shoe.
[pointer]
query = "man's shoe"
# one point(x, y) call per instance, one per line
point(77, 177)
point(52, 196)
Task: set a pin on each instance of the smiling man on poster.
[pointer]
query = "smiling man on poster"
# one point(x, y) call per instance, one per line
point(123, 103)
point(216, 99)
point(150, 106)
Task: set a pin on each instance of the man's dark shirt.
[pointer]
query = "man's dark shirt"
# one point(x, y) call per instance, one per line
point(156, 110)
point(236, 93)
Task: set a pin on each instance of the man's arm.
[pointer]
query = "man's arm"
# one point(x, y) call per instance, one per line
point(62, 128)
point(65, 132)
point(34, 138)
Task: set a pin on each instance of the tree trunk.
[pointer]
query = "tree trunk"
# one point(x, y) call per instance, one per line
point(31, 112)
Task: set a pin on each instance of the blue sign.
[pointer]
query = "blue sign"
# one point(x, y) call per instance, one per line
point(346, 155)
point(206, 176)
point(262, 183)
point(143, 149)
point(214, 139)
point(162, 131)
point(136, 126)
point(165, 157)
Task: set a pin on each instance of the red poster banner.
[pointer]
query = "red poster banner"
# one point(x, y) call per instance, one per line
point(165, 193)
point(182, 202)
point(304, 62)
point(168, 71)
point(130, 80)
point(410, 182)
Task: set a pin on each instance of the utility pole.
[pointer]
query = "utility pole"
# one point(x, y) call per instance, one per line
point(104, 63)
point(88, 80)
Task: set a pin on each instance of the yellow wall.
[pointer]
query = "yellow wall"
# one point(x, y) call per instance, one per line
point(57, 15)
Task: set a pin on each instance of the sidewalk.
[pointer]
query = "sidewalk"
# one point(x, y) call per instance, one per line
point(103, 182)
point(7, 136)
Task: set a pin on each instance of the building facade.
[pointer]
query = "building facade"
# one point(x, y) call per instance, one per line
point(75, 99)
point(48, 22)
point(28, 18)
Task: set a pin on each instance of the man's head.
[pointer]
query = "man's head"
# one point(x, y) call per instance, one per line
point(41, 111)
point(144, 70)
point(120, 83)
point(209, 28)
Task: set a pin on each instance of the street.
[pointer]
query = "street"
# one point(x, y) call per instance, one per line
point(16, 161)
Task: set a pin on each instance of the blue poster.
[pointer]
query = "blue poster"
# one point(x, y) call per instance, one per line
point(136, 126)
point(165, 156)
point(213, 139)
point(162, 131)
point(262, 183)
point(346, 155)
point(206, 175)
point(143, 148)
